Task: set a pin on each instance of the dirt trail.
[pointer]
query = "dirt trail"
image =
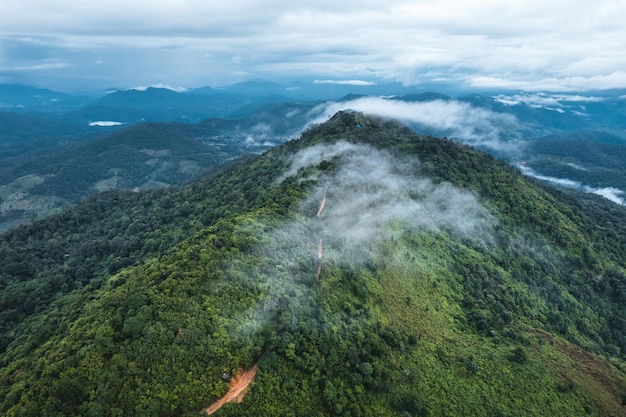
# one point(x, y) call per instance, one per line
point(237, 390)
point(320, 249)
point(322, 204)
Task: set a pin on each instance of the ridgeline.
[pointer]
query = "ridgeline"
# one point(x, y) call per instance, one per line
point(435, 281)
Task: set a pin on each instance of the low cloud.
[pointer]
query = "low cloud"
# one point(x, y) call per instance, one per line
point(105, 123)
point(161, 86)
point(556, 102)
point(576, 166)
point(603, 81)
point(363, 198)
point(610, 193)
point(263, 135)
point(370, 189)
point(259, 135)
point(345, 82)
point(553, 180)
point(474, 126)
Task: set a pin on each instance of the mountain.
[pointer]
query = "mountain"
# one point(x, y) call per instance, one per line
point(159, 105)
point(49, 163)
point(597, 162)
point(256, 89)
point(335, 89)
point(597, 136)
point(261, 90)
point(256, 115)
point(425, 97)
point(21, 96)
point(31, 127)
point(359, 270)
point(148, 155)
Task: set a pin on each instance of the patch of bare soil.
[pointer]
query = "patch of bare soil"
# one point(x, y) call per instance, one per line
point(239, 385)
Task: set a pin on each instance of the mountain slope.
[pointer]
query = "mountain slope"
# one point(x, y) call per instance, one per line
point(368, 270)
point(15, 97)
point(142, 156)
point(31, 127)
point(580, 159)
point(159, 105)
point(56, 173)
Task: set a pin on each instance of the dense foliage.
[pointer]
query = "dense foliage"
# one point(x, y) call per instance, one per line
point(588, 162)
point(137, 303)
point(58, 161)
point(143, 156)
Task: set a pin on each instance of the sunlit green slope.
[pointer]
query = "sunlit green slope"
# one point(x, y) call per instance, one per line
point(366, 269)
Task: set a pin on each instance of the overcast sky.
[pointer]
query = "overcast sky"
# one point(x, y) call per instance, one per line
point(532, 45)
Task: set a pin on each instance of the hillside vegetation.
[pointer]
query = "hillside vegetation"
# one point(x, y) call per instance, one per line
point(50, 168)
point(589, 162)
point(366, 269)
point(138, 157)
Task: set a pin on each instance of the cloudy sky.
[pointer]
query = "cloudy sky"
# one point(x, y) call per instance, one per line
point(532, 45)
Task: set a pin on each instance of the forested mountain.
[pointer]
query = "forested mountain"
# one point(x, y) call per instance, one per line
point(159, 105)
point(15, 96)
point(579, 158)
point(42, 132)
point(42, 176)
point(39, 127)
point(148, 155)
point(365, 269)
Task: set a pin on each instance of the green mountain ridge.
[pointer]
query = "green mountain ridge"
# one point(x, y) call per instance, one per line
point(366, 269)
point(591, 163)
point(148, 155)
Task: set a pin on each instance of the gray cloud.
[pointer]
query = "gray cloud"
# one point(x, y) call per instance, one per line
point(531, 45)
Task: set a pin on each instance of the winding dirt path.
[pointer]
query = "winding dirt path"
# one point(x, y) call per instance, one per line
point(322, 204)
point(239, 385)
point(320, 249)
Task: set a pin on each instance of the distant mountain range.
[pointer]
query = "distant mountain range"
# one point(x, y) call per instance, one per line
point(56, 148)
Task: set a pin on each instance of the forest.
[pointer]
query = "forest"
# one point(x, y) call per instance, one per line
point(432, 280)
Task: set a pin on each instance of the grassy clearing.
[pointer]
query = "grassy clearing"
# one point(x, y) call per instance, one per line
point(107, 184)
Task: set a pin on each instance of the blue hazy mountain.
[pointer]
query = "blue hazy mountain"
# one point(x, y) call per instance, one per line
point(159, 105)
point(17, 96)
point(21, 98)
